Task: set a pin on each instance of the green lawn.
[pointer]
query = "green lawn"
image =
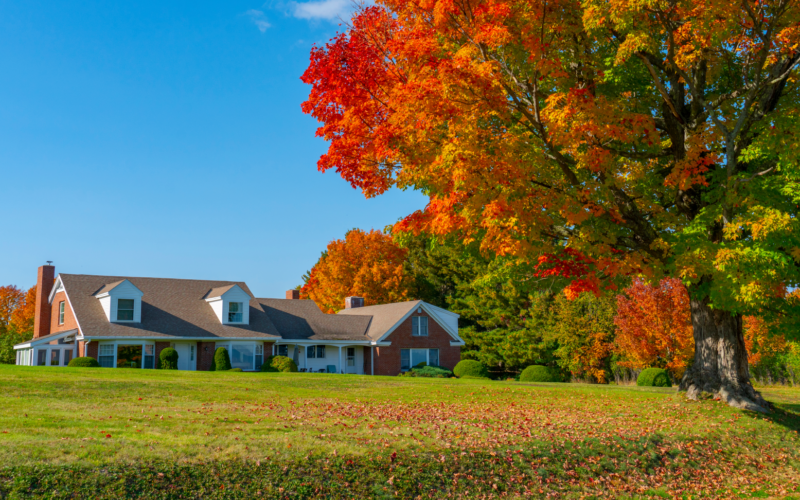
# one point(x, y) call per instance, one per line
point(69, 432)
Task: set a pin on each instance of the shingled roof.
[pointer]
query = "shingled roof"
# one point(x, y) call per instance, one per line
point(303, 320)
point(171, 309)
point(384, 316)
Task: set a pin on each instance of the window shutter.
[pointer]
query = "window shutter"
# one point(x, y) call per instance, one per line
point(414, 325)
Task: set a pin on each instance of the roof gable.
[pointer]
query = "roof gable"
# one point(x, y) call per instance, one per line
point(387, 317)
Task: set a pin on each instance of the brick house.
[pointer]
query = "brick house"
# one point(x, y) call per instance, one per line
point(127, 322)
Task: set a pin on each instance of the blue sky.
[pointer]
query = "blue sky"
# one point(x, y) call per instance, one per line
point(166, 139)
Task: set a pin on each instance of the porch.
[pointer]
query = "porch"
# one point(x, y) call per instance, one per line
point(323, 357)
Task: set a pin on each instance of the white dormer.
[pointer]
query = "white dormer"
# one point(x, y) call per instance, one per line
point(121, 301)
point(231, 304)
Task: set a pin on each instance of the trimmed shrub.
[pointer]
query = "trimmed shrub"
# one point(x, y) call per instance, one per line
point(283, 364)
point(267, 365)
point(421, 364)
point(470, 367)
point(84, 362)
point(431, 371)
point(235, 370)
point(473, 377)
point(654, 377)
point(222, 360)
point(538, 373)
point(169, 359)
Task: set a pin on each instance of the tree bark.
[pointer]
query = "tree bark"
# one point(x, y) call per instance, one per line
point(720, 359)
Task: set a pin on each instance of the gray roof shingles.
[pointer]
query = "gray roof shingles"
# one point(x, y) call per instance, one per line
point(384, 316)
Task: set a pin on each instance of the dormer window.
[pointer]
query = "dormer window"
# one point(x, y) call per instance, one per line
point(234, 312)
point(125, 309)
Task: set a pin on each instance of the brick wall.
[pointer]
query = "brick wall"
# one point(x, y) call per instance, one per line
point(367, 366)
point(93, 346)
point(69, 317)
point(205, 357)
point(387, 359)
point(160, 346)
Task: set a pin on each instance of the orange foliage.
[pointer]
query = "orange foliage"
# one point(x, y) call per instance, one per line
point(364, 264)
point(654, 326)
point(10, 299)
point(760, 344)
point(22, 316)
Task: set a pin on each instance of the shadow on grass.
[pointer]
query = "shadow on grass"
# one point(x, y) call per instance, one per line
point(786, 408)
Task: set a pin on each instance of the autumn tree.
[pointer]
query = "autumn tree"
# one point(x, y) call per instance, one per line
point(654, 326)
point(656, 138)
point(363, 264)
point(16, 319)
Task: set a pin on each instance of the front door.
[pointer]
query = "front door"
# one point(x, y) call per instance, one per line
point(351, 360)
point(186, 356)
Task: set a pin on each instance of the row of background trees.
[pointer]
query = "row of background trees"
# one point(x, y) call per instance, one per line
point(16, 319)
point(515, 314)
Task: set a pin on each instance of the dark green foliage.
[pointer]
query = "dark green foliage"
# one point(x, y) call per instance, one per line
point(654, 377)
point(283, 364)
point(236, 370)
point(169, 359)
point(222, 360)
point(430, 371)
point(539, 373)
point(84, 362)
point(421, 364)
point(267, 365)
point(470, 368)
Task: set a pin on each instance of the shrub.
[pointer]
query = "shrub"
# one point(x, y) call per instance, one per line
point(421, 364)
point(431, 371)
point(473, 377)
point(169, 359)
point(84, 362)
point(222, 360)
point(471, 368)
point(538, 373)
point(283, 364)
point(654, 377)
point(267, 365)
point(235, 370)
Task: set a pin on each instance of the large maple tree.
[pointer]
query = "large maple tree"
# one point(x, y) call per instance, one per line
point(655, 138)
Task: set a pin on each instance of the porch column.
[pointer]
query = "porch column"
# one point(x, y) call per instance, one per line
point(372, 360)
point(340, 360)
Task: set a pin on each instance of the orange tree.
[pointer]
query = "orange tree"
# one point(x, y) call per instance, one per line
point(363, 264)
point(654, 326)
point(656, 138)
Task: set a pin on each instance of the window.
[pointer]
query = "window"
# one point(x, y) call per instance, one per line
point(242, 356)
point(61, 313)
point(191, 353)
point(234, 312)
point(42, 358)
point(259, 355)
point(149, 358)
point(315, 351)
point(419, 326)
point(67, 356)
point(410, 358)
point(55, 355)
point(129, 356)
point(433, 357)
point(351, 356)
point(125, 310)
point(105, 355)
point(283, 350)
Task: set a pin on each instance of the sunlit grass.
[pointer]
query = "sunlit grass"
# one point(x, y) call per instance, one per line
point(96, 417)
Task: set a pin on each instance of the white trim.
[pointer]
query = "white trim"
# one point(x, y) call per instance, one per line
point(428, 308)
point(45, 341)
point(74, 314)
point(456, 344)
point(323, 342)
point(57, 287)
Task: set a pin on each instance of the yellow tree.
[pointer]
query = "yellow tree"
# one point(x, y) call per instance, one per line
point(363, 264)
point(654, 137)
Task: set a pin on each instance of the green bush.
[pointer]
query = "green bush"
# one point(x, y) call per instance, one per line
point(539, 373)
point(471, 368)
point(235, 370)
point(431, 371)
point(473, 377)
point(222, 360)
point(421, 364)
point(283, 364)
point(169, 359)
point(84, 362)
point(267, 365)
point(654, 377)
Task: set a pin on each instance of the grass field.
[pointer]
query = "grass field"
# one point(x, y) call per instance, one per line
point(77, 433)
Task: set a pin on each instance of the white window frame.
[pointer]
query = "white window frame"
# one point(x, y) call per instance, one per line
point(115, 346)
point(240, 313)
point(61, 312)
point(419, 328)
point(411, 356)
point(132, 310)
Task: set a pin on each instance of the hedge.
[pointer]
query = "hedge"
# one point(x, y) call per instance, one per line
point(538, 373)
point(470, 367)
point(221, 361)
point(283, 364)
point(431, 371)
point(654, 377)
point(84, 362)
point(169, 359)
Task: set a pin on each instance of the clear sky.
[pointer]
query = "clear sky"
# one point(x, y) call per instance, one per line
point(165, 138)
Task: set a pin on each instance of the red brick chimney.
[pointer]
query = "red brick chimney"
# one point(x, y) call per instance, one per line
point(353, 302)
point(292, 294)
point(44, 285)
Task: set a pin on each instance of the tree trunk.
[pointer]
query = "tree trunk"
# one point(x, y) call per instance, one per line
point(720, 359)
